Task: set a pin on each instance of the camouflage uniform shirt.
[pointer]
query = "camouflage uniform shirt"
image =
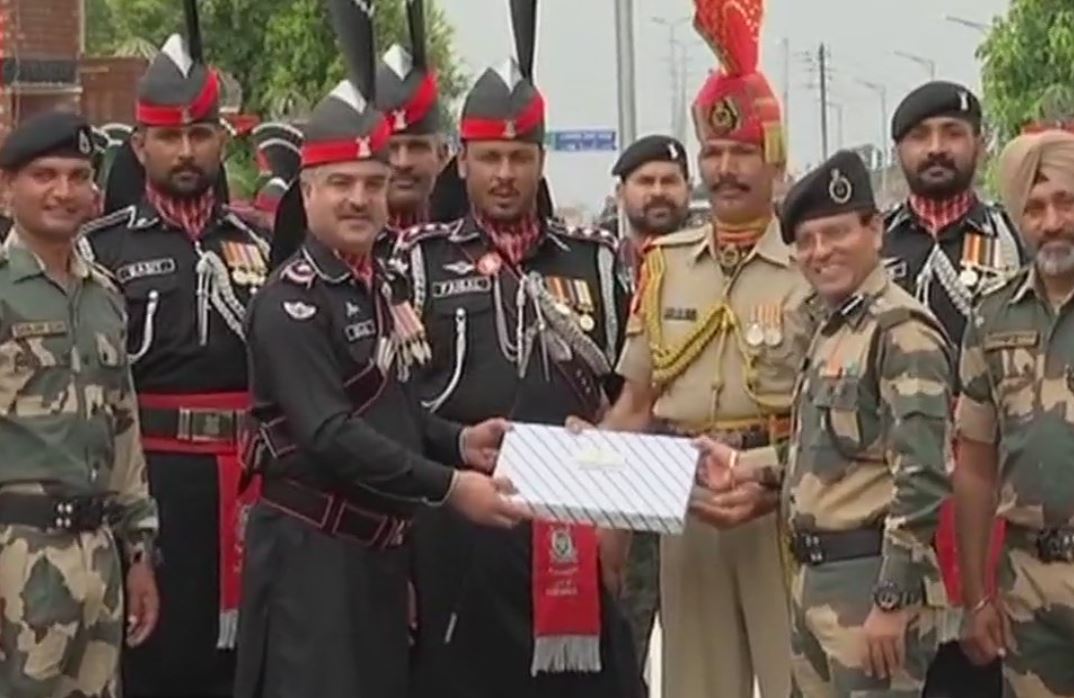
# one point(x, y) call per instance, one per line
point(67, 407)
point(871, 431)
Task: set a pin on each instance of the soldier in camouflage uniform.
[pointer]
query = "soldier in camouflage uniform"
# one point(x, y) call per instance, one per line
point(865, 475)
point(1015, 423)
point(72, 475)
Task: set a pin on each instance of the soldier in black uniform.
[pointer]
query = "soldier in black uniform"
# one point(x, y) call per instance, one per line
point(279, 158)
point(944, 244)
point(409, 97)
point(525, 317)
point(336, 433)
point(188, 267)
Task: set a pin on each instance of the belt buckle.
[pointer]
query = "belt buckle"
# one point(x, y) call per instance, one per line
point(79, 514)
point(808, 548)
point(202, 425)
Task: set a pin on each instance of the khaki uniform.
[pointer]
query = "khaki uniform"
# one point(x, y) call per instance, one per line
point(1017, 375)
point(693, 334)
point(68, 429)
point(868, 457)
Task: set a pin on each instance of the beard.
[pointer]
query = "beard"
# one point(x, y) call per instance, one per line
point(658, 217)
point(186, 182)
point(958, 179)
point(1055, 257)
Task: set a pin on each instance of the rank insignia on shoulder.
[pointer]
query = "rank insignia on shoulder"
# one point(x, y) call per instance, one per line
point(299, 310)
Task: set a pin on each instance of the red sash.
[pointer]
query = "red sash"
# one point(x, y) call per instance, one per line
point(566, 598)
point(233, 506)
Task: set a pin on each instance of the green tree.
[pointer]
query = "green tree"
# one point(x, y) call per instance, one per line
point(282, 52)
point(1028, 72)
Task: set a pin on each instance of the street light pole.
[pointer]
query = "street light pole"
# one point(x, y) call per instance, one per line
point(882, 92)
point(677, 70)
point(926, 63)
point(624, 53)
point(977, 26)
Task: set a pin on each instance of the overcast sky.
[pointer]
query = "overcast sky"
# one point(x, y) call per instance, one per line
point(576, 65)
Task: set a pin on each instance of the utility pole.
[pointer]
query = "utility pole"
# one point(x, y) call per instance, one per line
point(624, 51)
point(676, 71)
point(882, 92)
point(786, 43)
point(822, 61)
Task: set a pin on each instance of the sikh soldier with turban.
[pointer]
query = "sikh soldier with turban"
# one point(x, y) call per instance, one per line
point(1015, 425)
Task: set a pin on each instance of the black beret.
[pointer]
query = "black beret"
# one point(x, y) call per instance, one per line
point(937, 98)
point(47, 134)
point(651, 149)
point(840, 185)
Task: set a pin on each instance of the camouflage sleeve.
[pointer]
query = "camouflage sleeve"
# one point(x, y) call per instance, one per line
point(915, 378)
point(975, 414)
point(129, 482)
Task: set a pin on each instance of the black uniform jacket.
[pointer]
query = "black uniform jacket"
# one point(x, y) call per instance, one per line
point(316, 333)
point(475, 604)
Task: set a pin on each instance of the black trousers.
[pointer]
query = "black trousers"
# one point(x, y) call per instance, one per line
point(952, 675)
point(180, 658)
point(321, 617)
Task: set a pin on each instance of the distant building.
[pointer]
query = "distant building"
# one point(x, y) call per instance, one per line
point(40, 45)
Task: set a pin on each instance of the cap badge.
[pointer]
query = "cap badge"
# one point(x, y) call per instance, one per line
point(725, 116)
point(673, 151)
point(365, 150)
point(84, 145)
point(509, 129)
point(963, 101)
point(840, 189)
point(400, 119)
point(185, 115)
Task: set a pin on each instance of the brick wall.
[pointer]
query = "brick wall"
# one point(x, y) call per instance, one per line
point(109, 88)
point(42, 28)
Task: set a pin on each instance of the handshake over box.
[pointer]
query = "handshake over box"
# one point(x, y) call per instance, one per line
point(619, 480)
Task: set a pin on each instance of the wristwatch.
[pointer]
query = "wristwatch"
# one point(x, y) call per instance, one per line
point(889, 597)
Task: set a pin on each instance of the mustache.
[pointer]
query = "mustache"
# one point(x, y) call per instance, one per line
point(937, 161)
point(658, 202)
point(728, 181)
point(188, 169)
point(504, 190)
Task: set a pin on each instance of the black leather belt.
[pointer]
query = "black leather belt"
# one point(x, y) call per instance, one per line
point(334, 515)
point(819, 547)
point(74, 514)
point(190, 424)
point(1051, 544)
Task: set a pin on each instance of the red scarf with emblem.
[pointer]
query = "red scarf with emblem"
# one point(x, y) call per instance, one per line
point(189, 215)
point(565, 579)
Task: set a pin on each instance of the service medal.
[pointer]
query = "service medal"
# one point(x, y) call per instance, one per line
point(773, 337)
point(587, 322)
point(239, 276)
point(755, 335)
point(969, 277)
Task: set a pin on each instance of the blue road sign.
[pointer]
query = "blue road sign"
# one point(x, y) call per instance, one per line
point(577, 141)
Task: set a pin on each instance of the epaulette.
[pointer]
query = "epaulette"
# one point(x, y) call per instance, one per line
point(299, 272)
point(426, 231)
point(121, 215)
point(689, 236)
point(893, 216)
point(233, 217)
point(586, 233)
point(889, 315)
